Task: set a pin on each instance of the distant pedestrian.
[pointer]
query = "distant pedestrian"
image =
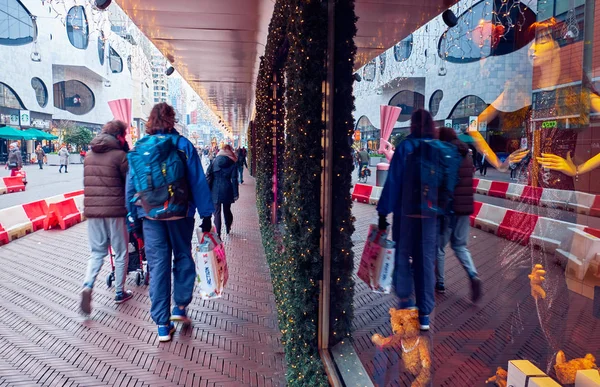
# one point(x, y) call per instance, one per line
point(15, 160)
point(168, 226)
point(418, 189)
point(104, 173)
point(241, 163)
point(483, 166)
point(364, 157)
point(222, 180)
point(63, 153)
point(455, 227)
point(40, 154)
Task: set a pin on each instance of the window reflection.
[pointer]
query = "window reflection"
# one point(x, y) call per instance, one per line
point(16, 24)
point(77, 27)
point(8, 97)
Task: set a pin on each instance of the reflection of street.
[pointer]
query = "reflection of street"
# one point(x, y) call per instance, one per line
point(44, 183)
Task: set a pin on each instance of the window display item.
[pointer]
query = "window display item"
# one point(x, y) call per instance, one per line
point(499, 379)
point(521, 371)
point(211, 265)
point(536, 278)
point(587, 378)
point(543, 381)
point(413, 347)
point(377, 261)
point(566, 371)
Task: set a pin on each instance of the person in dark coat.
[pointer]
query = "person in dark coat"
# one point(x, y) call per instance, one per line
point(241, 163)
point(104, 173)
point(15, 160)
point(222, 176)
point(455, 227)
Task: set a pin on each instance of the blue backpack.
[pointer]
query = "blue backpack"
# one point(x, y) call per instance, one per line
point(431, 174)
point(158, 170)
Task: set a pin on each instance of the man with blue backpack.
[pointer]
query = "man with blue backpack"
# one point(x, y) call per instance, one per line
point(166, 186)
point(418, 189)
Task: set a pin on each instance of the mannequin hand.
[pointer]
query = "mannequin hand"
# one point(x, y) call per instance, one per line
point(517, 156)
point(557, 163)
point(536, 279)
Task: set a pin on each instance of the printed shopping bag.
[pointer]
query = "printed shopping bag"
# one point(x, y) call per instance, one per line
point(377, 261)
point(211, 265)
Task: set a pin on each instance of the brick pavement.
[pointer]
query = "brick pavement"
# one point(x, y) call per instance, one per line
point(470, 341)
point(45, 341)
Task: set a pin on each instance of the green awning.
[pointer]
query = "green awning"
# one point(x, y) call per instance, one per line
point(40, 134)
point(466, 138)
point(10, 133)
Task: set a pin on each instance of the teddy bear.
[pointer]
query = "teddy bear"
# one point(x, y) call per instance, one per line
point(535, 280)
point(566, 371)
point(414, 347)
point(500, 378)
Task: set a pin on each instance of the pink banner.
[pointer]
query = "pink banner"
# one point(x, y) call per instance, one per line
point(389, 116)
point(121, 110)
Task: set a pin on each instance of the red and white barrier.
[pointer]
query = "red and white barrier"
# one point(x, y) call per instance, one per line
point(2, 187)
point(514, 191)
point(551, 234)
point(557, 198)
point(582, 203)
point(362, 193)
point(483, 187)
point(15, 222)
point(375, 195)
point(489, 218)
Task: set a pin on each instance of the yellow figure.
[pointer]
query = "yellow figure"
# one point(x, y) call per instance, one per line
point(536, 278)
point(566, 371)
point(414, 347)
point(500, 379)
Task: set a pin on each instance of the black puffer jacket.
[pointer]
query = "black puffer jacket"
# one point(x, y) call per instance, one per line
point(222, 177)
point(463, 193)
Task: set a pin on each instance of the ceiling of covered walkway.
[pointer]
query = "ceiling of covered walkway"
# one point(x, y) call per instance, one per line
point(216, 44)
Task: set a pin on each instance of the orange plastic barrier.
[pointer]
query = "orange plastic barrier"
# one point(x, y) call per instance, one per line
point(63, 214)
point(14, 184)
point(362, 193)
point(3, 236)
point(36, 212)
point(74, 193)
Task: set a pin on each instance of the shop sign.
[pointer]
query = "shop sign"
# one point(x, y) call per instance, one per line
point(14, 119)
point(5, 119)
point(524, 143)
point(483, 126)
point(40, 123)
point(25, 118)
point(448, 123)
point(357, 135)
point(473, 123)
point(549, 125)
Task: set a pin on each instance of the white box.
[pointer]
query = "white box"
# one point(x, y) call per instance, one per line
point(543, 381)
point(587, 378)
point(520, 371)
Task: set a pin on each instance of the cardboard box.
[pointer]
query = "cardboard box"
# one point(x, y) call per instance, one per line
point(543, 381)
point(587, 378)
point(520, 371)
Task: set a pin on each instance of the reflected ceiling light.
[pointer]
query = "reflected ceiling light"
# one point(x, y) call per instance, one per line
point(449, 18)
point(357, 77)
point(101, 4)
point(170, 71)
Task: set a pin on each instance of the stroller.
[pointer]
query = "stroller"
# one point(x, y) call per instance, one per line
point(137, 260)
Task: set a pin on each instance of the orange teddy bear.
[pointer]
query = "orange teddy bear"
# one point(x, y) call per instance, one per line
point(500, 379)
point(566, 371)
point(415, 348)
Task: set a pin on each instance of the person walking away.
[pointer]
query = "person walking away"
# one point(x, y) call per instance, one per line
point(483, 166)
point(241, 163)
point(15, 160)
point(104, 173)
point(363, 156)
point(39, 155)
point(418, 189)
point(455, 227)
point(222, 180)
point(167, 202)
point(63, 153)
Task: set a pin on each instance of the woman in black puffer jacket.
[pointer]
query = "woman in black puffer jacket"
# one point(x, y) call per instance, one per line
point(222, 176)
point(455, 227)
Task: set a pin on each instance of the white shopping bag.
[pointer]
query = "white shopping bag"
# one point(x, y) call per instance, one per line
point(381, 280)
point(377, 262)
point(211, 266)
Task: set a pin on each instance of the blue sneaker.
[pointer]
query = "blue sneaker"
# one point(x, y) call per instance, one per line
point(165, 332)
point(121, 297)
point(424, 322)
point(180, 315)
point(407, 303)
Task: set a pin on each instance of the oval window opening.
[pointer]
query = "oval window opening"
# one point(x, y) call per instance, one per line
point(41, 92)
point(74, 97)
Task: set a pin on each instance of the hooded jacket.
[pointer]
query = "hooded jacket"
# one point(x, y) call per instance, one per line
point(14, 157)
point(104, 175)
point(222, 176)
point(463, 193)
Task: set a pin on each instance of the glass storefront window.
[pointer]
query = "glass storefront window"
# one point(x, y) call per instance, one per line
point(41, 92)
point(408, 101)
point(115, 61)
point(8, 98)
point(16, 24)
point(77, 27)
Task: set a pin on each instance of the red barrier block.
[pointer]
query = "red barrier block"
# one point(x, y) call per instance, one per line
point(36, 212)
point(531, 195)
point(498, 189)
point(476, 209)
point(592, 231)
point(595, 209)
point(74, 193)
point(362, 193)
point(517, 226)
point(3, 236)
point(63, 214)
point(14, 184)
point(475, 184)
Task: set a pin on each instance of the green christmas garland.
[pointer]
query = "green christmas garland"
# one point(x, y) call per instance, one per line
point(294, 66)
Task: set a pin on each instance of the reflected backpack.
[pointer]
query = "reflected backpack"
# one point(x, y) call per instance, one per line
point(158, 171)
point(431, 174)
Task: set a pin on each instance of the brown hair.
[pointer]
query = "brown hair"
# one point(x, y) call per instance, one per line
point(227, 147)
point(447, 134)
point(542, 28)
point(162, 119)
point(115, 128)
point(421, 124)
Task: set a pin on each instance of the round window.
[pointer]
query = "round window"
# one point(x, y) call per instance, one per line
point(41, 92)
point(101, 47)
point(434, 102)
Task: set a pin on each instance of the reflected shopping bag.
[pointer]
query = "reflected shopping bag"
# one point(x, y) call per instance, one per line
point(377, 261)
point(211, 265)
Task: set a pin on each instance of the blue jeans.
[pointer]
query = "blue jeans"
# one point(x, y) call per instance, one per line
point(454, 229)
point(415, 239)
point(169, 249)
point(241, 173)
